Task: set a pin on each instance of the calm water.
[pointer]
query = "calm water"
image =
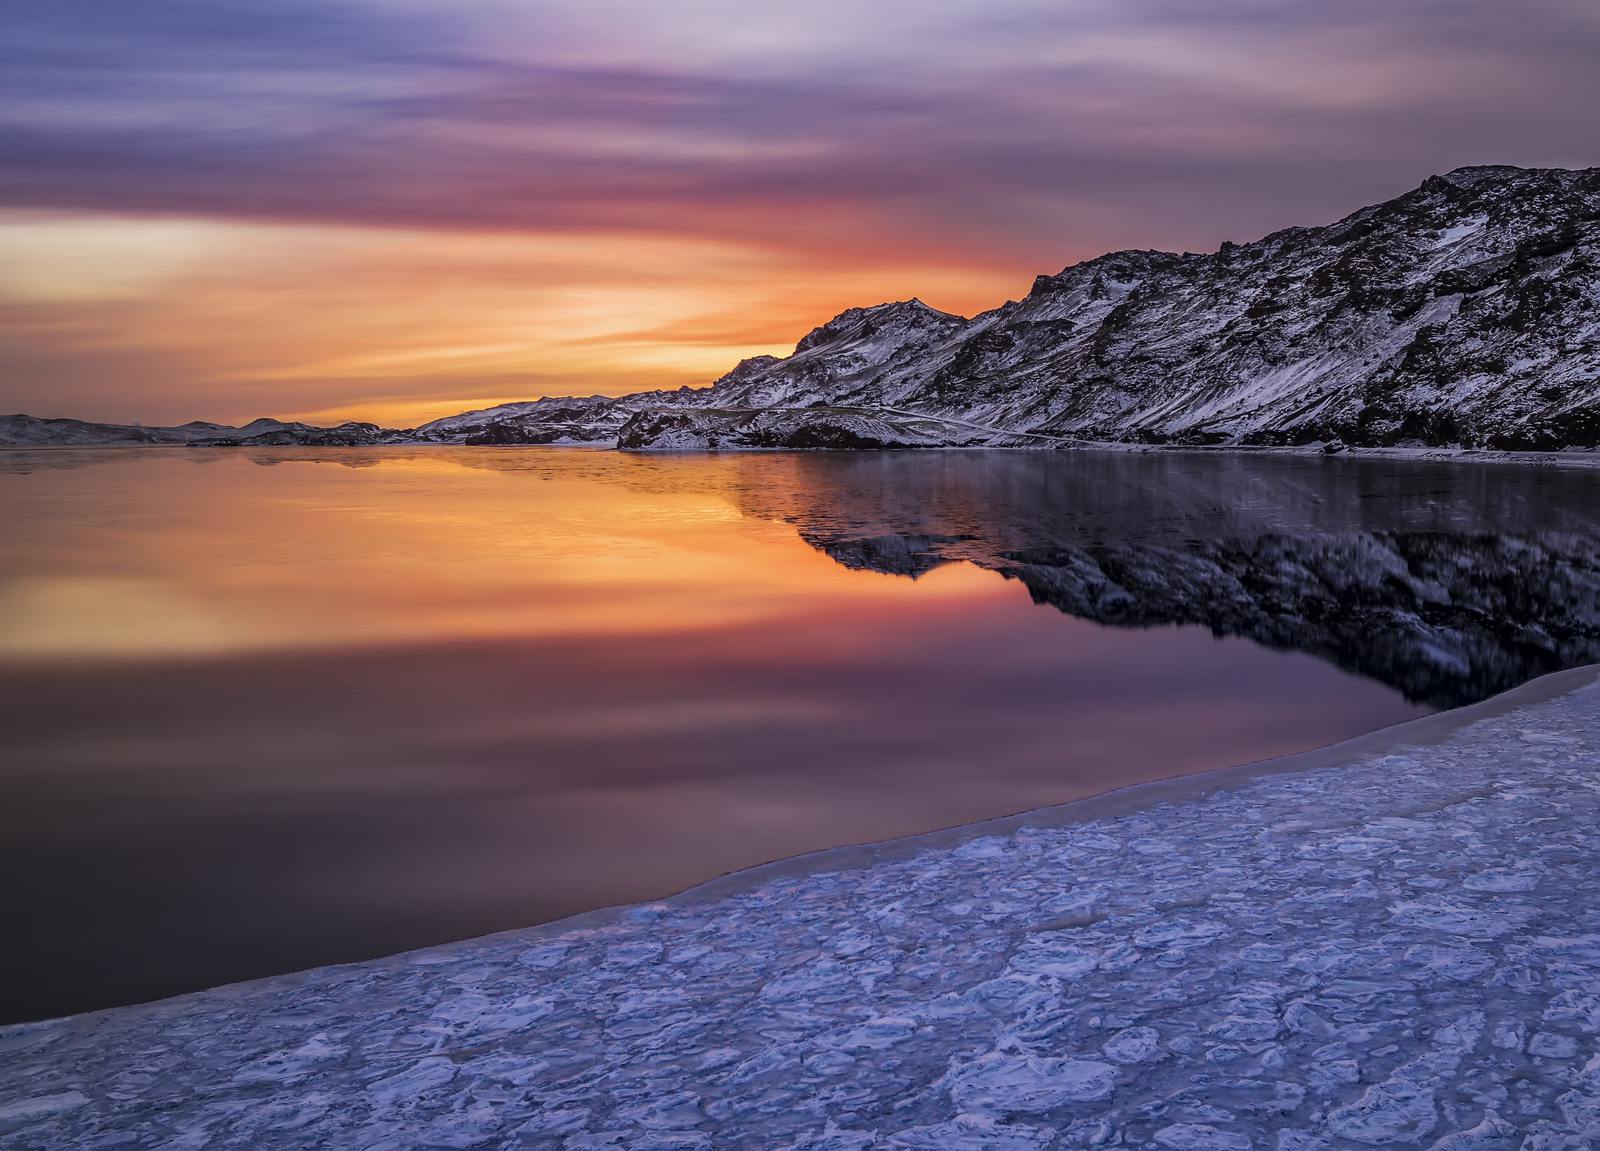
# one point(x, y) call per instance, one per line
point(264, 710)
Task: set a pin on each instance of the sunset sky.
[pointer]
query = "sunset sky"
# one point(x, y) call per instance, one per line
point(397, 209)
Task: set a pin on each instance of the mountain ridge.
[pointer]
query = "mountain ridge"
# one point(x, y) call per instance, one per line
point(1462, 313)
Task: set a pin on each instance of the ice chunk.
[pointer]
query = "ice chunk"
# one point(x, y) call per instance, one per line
point(1133, 1045)
point(39, 1106)
point(972, 1133)
point(1004, 1081)
point(1393, 1112)
point(1200, 1137)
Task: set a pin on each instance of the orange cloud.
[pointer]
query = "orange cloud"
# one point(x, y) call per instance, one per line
point(403, 326)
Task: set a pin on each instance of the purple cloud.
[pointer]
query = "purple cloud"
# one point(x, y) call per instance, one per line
point(1030, 132)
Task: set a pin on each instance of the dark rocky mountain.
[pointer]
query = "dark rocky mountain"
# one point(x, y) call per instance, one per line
point(1465, 313)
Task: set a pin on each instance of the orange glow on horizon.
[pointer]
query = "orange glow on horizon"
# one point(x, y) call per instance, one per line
point(173, 320)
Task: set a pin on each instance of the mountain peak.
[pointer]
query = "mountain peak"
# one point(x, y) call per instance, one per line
point(1126, 263)
point(1476, 177)
point(860, 323)
point(1471, 174)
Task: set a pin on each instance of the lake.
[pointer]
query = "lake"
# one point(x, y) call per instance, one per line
point(269, 709)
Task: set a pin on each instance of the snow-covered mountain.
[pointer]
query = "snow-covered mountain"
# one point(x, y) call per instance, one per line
point(1465, 312)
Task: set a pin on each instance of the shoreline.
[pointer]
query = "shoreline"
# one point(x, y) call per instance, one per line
point(1424, 731)
point(1577, 458)
point(1571, 458)
point(1366, 944)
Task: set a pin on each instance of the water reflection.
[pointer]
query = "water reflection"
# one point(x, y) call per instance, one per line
point(273, 709)
point(1451, 582)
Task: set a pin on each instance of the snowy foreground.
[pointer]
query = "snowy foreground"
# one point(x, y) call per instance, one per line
point(1399, 949)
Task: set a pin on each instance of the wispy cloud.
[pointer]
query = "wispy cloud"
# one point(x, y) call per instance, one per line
point(842, 141)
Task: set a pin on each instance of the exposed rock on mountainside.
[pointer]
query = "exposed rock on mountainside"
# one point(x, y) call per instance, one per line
point(1465, 312)
point(554, 420)
point(703, 428)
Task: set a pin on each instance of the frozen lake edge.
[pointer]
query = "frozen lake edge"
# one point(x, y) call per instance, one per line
point(1384, 943)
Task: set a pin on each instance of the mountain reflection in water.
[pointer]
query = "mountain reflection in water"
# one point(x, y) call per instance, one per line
point(270, 709)
point(1451, 582)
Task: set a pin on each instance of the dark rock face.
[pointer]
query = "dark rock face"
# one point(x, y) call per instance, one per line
point(700, 429)
point(509, 433)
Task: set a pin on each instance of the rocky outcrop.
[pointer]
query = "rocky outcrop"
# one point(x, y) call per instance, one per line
point(702, 429)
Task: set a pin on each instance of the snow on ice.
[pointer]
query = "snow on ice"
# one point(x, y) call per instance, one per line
point(1401, 950)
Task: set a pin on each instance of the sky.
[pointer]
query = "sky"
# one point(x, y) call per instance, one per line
point(399, 209)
